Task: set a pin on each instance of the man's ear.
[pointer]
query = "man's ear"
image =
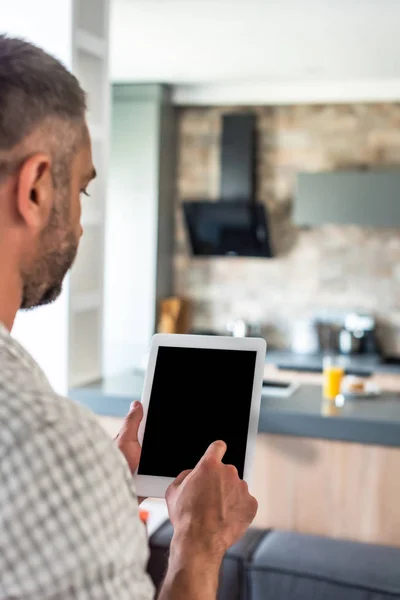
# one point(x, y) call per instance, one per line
point(35, 191)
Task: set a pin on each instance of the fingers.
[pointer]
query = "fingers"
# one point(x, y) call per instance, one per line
point(215, 450)
point(132, 421)
point(172, 488)
point(136, 407)
point(253, 506)
point(182, 476)
point(135, 414)
point(232, 470)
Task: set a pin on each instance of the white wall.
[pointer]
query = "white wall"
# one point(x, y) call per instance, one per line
point(44, 332)
point(47, 23)
point(131, 233)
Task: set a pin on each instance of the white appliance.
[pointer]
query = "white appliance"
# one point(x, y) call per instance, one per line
point(305, 338)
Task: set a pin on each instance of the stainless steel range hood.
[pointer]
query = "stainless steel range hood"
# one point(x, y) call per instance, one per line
point(368, 199)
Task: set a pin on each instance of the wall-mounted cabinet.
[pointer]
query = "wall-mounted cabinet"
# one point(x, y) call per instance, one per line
point(368, 199)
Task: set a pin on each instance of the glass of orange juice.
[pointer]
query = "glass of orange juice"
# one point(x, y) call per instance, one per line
point(333, 373)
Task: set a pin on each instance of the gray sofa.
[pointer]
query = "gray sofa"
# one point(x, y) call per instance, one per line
point(278, 565)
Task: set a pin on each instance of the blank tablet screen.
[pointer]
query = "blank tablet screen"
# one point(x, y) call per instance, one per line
point(198, 395)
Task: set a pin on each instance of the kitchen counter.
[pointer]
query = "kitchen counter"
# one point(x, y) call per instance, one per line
point(304, 414)
point(111, 396)
point(318, 468)
point(357, 364)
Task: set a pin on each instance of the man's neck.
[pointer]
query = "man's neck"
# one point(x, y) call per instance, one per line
point(10, 294)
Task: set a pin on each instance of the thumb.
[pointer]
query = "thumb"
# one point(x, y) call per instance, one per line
point(131, 423)
point(215, 450)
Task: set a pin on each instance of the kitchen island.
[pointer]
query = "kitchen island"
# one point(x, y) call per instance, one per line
point(303, 414)
point(319, 468)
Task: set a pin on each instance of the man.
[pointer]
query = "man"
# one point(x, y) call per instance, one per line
point(68, 508)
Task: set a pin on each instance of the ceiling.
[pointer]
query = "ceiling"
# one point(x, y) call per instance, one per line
point(255, 42)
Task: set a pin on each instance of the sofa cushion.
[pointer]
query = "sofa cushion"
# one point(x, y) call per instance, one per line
point(233, 581)
point(159, 552)
point(294, 566)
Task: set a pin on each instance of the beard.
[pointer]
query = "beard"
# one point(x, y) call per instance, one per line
point(42, 282)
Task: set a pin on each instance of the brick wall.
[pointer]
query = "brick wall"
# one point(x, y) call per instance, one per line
point(331, 267)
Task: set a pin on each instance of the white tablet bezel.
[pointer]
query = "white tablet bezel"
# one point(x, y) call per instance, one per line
point(155, 486)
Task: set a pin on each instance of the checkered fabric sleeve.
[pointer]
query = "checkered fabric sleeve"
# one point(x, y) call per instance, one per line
point(69, 524)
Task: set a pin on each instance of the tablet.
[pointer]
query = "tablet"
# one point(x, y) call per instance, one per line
point(198, 389)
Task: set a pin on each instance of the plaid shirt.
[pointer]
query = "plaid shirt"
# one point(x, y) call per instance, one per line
point(69, 524)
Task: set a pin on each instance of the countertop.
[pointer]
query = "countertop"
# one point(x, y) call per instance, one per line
point(366, 421)
point(369, 421)
point(357, 364)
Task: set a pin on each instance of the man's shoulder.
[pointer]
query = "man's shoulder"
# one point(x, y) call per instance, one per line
point(67, 485)
point(28, 404)
point(31, 410)
point(24, 414)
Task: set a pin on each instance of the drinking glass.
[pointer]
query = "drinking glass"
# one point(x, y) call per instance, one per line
point(333, 373)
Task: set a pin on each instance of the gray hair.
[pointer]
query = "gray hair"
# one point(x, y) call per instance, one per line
point(36, 91)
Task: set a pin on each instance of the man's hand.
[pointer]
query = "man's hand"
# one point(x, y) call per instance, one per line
point(127, 439)
point(211, 504)
point(210, 508)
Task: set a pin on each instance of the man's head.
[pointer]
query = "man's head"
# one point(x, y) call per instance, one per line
point(45, 164)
